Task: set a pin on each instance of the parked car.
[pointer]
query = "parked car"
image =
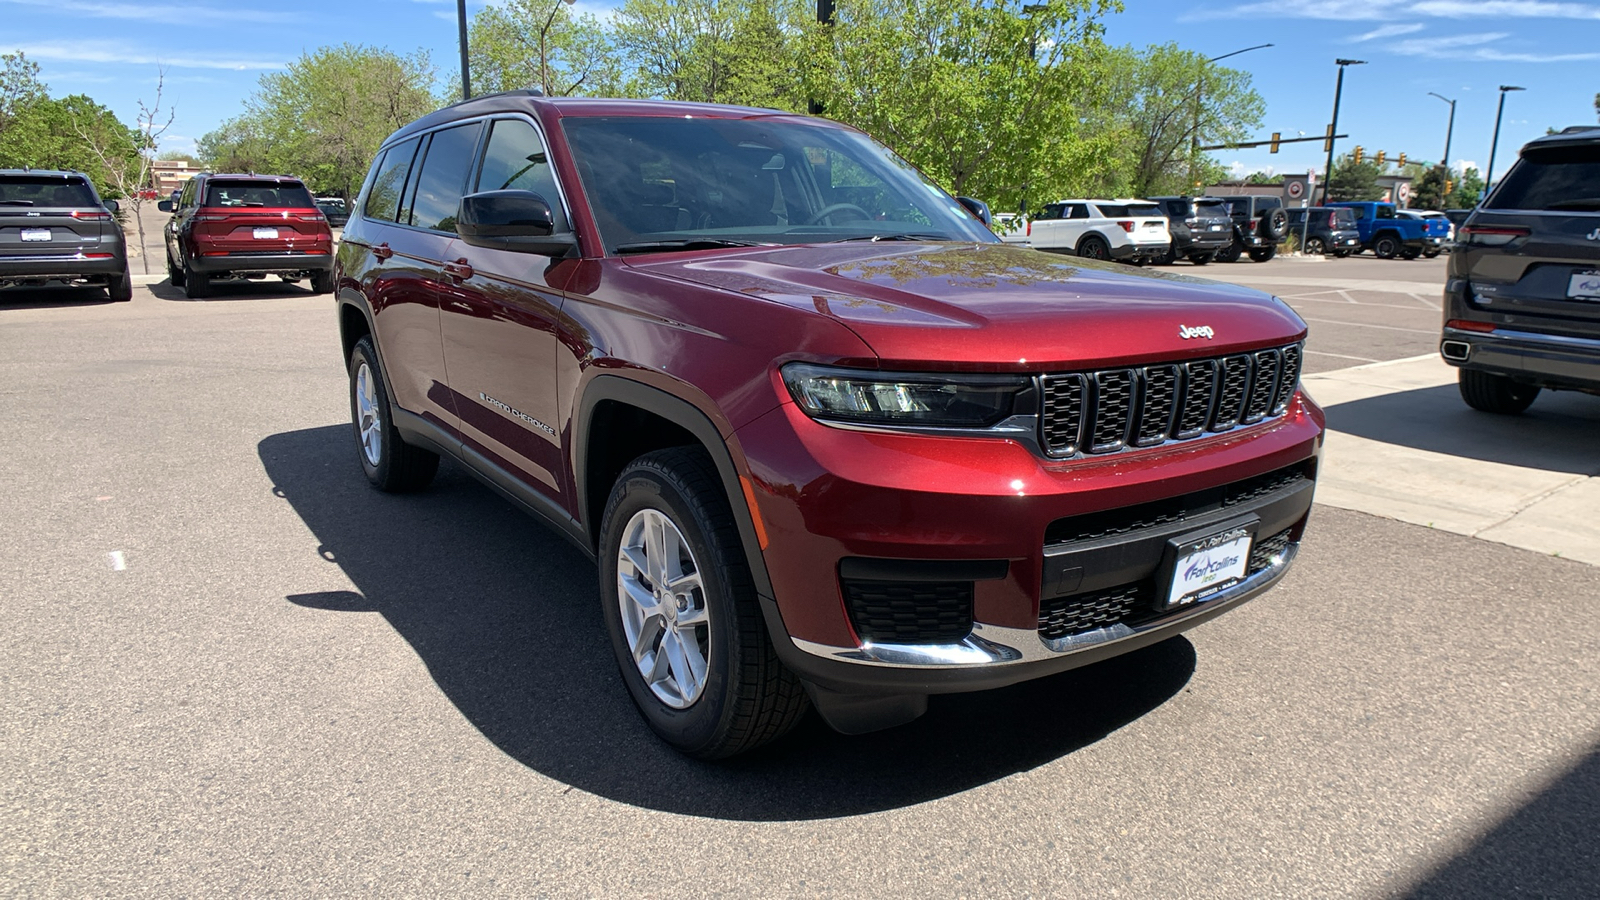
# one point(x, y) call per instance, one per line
point(1435, 234)
point(246, 226)
point(1259, 223)
point(1201, 227)
point(1387, 235)
point(829, 440)
point(1522, 300)
point(1005, 224)
point(55, 227)
point(1432, 214)
point(1325, 230)
point(1122, 230)
point(333, 209)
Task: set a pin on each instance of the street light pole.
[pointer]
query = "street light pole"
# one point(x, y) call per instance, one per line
point(1199, 89)
point(1449, 129)
point(1488, 179)
point(1333, 129)
point(466, 76)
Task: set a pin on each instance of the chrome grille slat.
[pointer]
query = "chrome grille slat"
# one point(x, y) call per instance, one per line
point(1116, 409)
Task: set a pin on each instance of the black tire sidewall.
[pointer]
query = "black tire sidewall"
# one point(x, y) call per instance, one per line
point(1385, 247)
point(703, 723)
point(1088, 244)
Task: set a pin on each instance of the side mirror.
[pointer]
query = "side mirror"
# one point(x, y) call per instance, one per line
point(164, 206)
point(978, 208)
point(113, 206)
point(520, 221)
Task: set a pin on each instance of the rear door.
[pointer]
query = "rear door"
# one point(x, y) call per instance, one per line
point(1534, 245)
point(49, 217)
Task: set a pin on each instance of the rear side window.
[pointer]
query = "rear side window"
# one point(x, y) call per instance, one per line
point(25, 190)
point(515, 160)
point(1383, 212)
point(1555, 178)
point(268, 194)
point(1267, 204)
point(1296, 215)
point(383, 196)
point(444, 177)
point(1077, 211)
point(1140, 209)
point(1111, 210)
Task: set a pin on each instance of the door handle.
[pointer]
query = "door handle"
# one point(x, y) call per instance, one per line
point(459, 269)
point(382, 251)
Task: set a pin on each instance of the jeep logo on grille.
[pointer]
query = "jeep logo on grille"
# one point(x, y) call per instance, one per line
point(1197, 331)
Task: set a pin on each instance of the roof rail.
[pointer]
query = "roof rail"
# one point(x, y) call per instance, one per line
point(1574, 129)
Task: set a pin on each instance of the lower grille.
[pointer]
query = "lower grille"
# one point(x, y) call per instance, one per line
point(1079, 613)
point(912, 612)
point(1266, 549)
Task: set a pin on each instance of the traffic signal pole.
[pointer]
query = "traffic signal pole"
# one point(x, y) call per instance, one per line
point(1333, 128)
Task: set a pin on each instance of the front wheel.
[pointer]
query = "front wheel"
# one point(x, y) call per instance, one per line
point(1387, 246)
point(174, 271)
point(1498, 394)
point(1262, 254)
point(1230, 253)
point(1200, 259)
point(391, 464)
point(683, 614)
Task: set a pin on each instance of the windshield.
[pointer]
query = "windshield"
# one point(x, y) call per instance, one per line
point(25, 190)
point(1553, 178)
point(761, 181)
point(268, 194)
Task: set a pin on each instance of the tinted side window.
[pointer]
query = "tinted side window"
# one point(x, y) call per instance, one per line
point(444, 177)
point(383, 197)
point(1384, 212)
point(1077, 211)
point(515, 160)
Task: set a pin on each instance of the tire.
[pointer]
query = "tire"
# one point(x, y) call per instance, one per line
point(196, 285)
point(174, 271)
point(322, 282)
point(1230, 253)
point(744, 696)
point(1430, 253)
point(391, 464)
point(1200, 259)
point(1386, 246)
point(120, 288)
point(1262, 254)
point(1495, 393)
point(1164, 258)
point(1316, 247)
point(1275, 225)
point(1341, 254)
point(1094, 247)
point(1410, 254)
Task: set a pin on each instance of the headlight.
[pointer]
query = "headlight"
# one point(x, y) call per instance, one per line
point(903, 398)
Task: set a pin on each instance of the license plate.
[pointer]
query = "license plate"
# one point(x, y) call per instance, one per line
point(265, 234)
point(1216, 228)
point(36, 234)
point(1584, 286)
point(1208, 565)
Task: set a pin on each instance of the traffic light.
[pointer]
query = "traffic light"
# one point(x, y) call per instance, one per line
point(1275, 136)
point(1401, 160)
point(1359, 154)
point(1449, 186)
point(1379, 159)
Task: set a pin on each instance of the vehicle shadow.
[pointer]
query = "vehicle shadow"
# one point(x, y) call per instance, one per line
point(52, 297)
point(1556, 434)
point(271, 289)
point(506, 617)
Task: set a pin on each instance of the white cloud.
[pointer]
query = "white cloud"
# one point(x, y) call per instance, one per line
point(163, 13)
point(1474, 48)
point(1462, 165)
point(117, 52)
point(1383, 31)
point(1385, 11)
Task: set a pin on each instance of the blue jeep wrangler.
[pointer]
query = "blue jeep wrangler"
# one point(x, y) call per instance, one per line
point(1384, 233)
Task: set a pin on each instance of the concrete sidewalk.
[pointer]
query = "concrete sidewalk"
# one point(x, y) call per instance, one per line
point(1403, 445)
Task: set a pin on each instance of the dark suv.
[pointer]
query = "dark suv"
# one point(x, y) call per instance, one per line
point(1259, 223)
point(246, 226)
point(1522, 303)
point(1325, 230)
point(830, 442)
point(54, 227)
point(1201, 228)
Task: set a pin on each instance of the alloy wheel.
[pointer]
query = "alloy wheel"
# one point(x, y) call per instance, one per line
point(370, 420)
point(664, 616)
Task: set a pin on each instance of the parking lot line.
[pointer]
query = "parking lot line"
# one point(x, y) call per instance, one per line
point(1366, 325)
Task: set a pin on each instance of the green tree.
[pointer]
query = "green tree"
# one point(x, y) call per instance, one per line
point(1354, 181)
point(44, 135)
point(237, 145)
point(539, 43)
point(19, 86)
point(999, 100)
point(1428, 191)
point(1466, 191)
point(713, 51)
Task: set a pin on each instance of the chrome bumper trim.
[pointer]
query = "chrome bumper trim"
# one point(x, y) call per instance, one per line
point(1507, 335)
point(997, 645)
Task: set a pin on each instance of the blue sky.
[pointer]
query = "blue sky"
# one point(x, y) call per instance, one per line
point(214, 52)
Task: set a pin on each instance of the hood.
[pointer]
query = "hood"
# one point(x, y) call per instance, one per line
point(995, 306)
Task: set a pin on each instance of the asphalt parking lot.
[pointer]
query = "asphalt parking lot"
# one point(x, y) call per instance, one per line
point(232, 668)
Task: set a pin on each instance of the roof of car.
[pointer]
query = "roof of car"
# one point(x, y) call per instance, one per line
point(1572, 134)
point(250, 176)
point(524, 100)
point(45, 173)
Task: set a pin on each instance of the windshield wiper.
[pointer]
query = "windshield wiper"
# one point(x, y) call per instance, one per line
point(1583, 203)
point(690, 244)
point(893, 236)
point(16, 202)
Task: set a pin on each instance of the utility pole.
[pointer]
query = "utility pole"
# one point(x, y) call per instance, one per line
point(1199, 89)
point(466, 76)
point(1449, 129)
point(824, 17)
point(1333, 129)
point(1488, 179)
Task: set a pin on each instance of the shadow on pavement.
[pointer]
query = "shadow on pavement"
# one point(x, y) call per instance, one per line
point(1545, 849)
point(234, 290)
point(52, 297)
point(505, 615)
point(1556, 434)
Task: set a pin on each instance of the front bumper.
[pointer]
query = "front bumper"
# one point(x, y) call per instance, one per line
point(275, 263)
point(1549, 360)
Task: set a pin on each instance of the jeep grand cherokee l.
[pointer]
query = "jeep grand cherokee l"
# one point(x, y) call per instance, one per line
point(829, 441)
point(249, 227)
point(54, 227)
point(1522, 300)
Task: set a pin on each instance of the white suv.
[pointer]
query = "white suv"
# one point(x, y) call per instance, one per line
point(1127, 230)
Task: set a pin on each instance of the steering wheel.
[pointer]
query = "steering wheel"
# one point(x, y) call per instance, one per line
point(832, 208)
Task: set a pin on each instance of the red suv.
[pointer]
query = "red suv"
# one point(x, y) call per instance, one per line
point(829, 441)
point(246, 226)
